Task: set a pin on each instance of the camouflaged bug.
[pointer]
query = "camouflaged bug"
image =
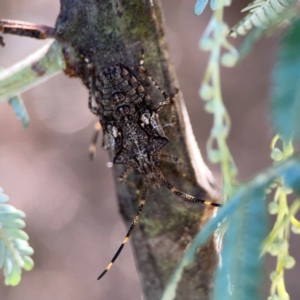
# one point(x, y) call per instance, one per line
point(129, 119)
point(132, 131)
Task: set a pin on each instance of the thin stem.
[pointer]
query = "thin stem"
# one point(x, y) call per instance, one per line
point(33, 70)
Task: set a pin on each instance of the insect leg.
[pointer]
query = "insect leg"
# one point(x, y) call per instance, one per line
point(170, 100)
point(173, 118)
point(124, 175)
point(40, 32)
point(162, 104)
point(167, 100)
point(171, 158)
point(185, 196)
point(141, 69)
point(126, 239)
point(92, 147)
point(90, 84)
point(91, 107)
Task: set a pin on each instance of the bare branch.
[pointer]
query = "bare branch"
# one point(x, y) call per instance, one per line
point(36, 68)
point(40, 32)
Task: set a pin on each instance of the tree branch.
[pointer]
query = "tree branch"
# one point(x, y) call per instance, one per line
point(115, 31)
point(38, 67)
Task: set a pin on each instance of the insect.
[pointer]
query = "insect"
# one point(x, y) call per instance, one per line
point(132, 131)
point(131, 127)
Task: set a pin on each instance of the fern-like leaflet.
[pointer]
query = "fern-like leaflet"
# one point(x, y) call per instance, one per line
point(19, 108)
point(262, 13)
point(14, 248)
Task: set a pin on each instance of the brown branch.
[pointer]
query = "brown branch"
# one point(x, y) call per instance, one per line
point(115, 31)
point(40, 32)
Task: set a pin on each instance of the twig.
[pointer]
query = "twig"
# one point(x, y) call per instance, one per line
point(36, 68)
point(168, 224)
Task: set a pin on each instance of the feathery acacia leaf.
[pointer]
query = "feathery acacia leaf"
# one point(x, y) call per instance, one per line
point(285, 93)
point(200, 6)
point(262, 14)
point(14, 247)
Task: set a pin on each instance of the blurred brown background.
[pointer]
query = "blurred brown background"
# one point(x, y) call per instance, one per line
point(72, 216)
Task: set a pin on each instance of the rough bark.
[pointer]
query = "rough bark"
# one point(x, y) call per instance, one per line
point(115, 31)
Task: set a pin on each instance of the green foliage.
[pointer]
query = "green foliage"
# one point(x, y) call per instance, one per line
point(214, 4)
point(199, 240)
point(285, 95)
point(262, 14)
point(277, 241)
point(15, 251)
point(20, 110)
point(214, 40)
point(239, 274)
point(15, 80)
point(200, 6)
point(245, 216)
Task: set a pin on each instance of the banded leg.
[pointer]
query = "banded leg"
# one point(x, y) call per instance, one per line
point(162, 104)
point(185, 196)
point(92, 147)
point(124, 175)
point(173, 118)
point(126, 239)
point(141, 69)
point(40, 32)
point(167, 100)
point(90, 85)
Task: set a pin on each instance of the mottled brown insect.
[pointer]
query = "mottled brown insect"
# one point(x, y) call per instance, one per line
point(129, 119)
point(131, 127)
point(132, 131)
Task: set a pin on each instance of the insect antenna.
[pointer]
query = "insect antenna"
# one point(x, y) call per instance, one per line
point(126, 239)
point(185, 196)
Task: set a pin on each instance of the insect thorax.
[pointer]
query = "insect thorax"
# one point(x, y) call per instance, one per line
point(131, 127)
